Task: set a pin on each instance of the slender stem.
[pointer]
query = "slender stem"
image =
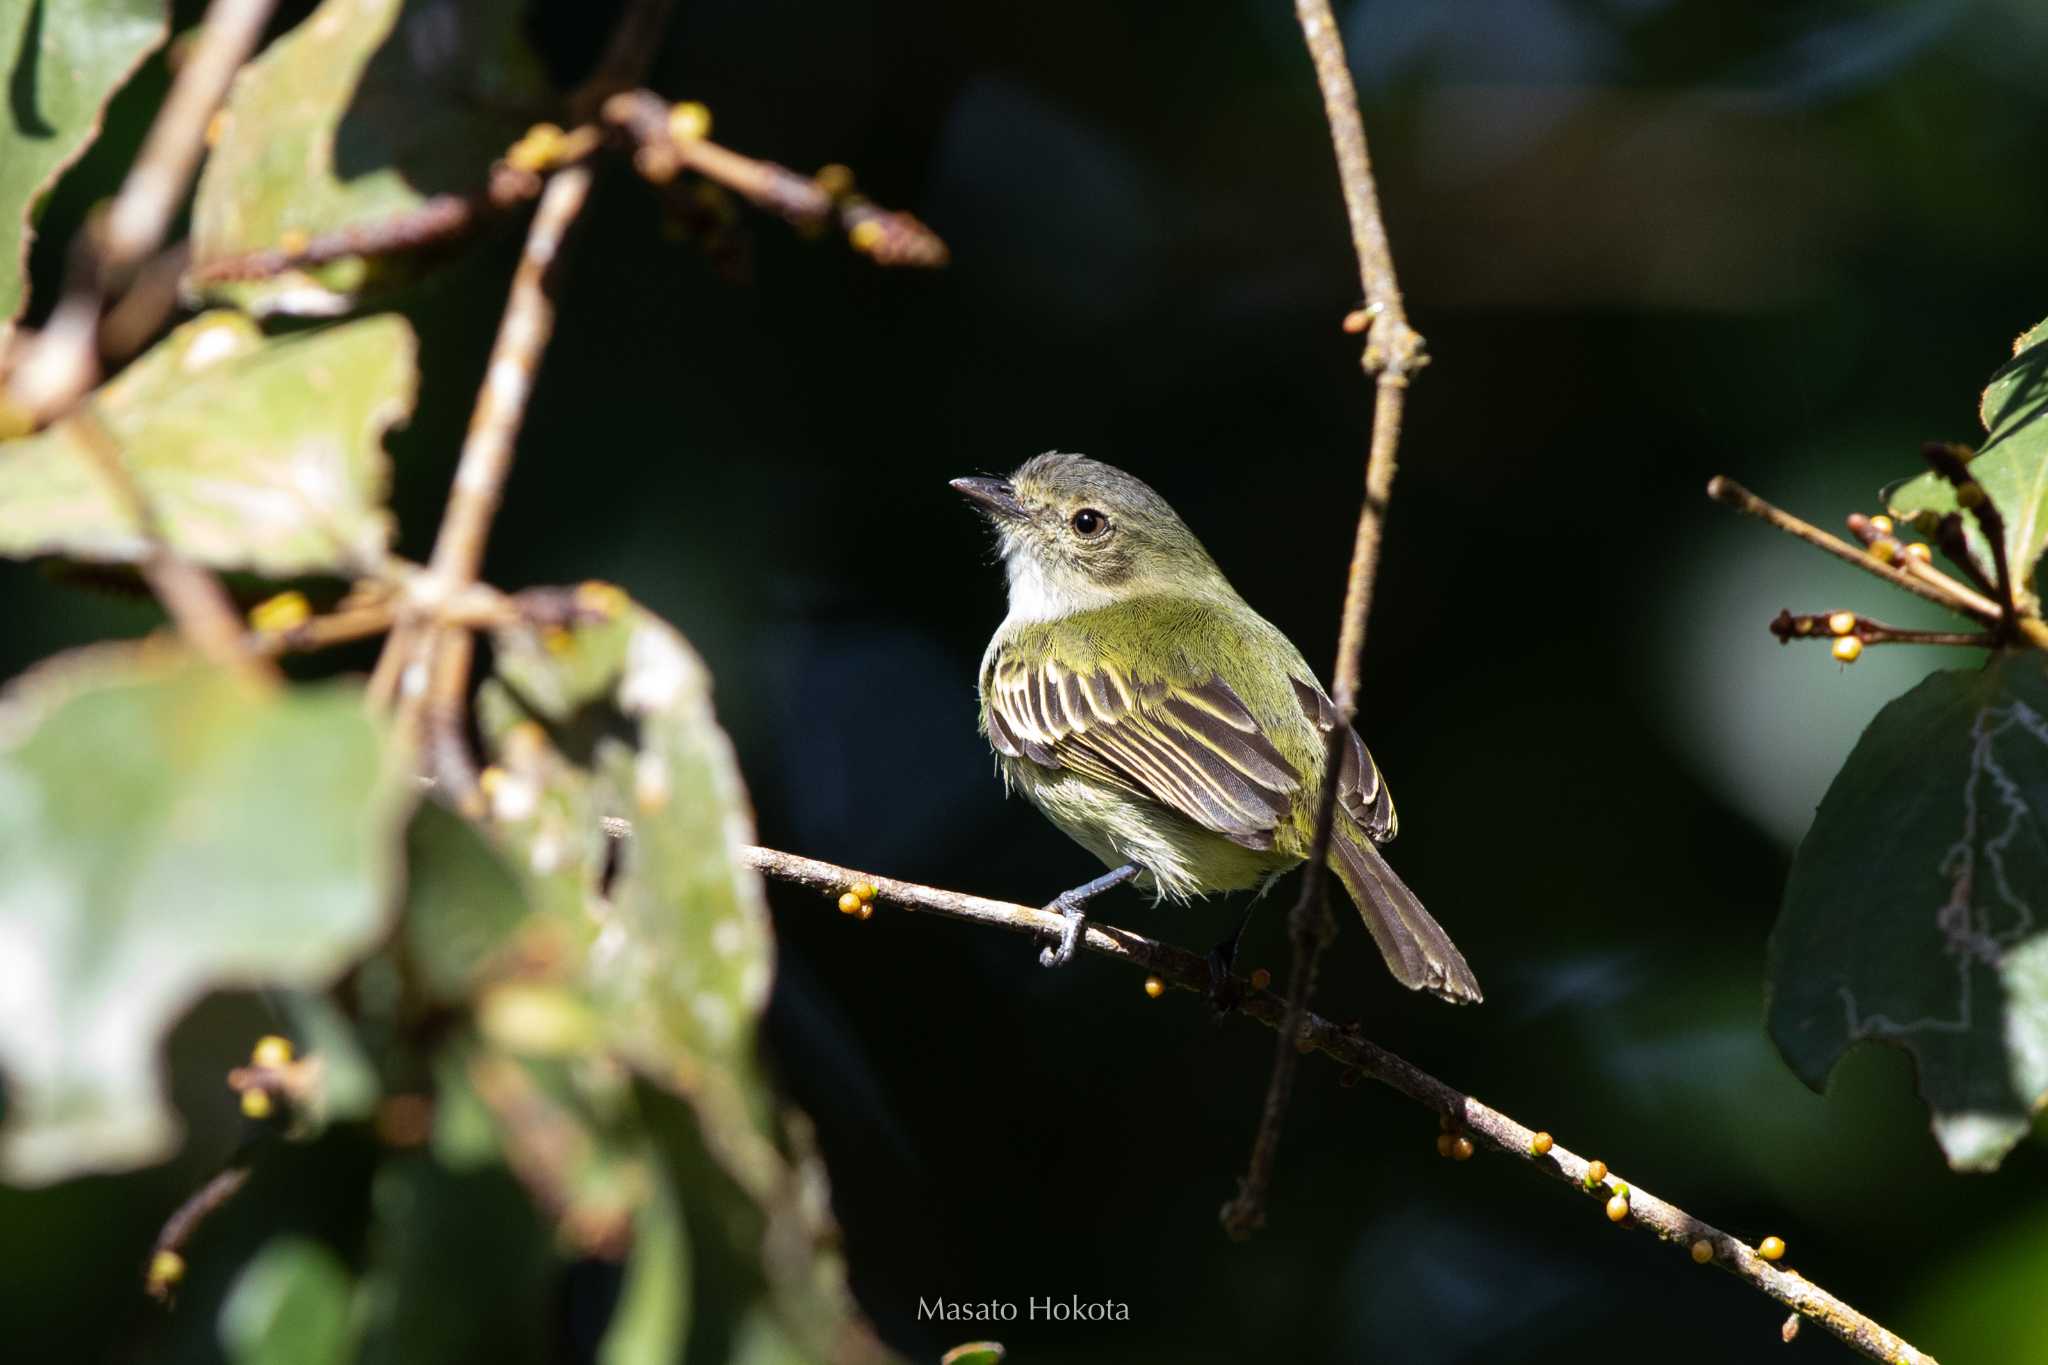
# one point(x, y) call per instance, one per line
point(437, 688)
point(64, 362)
point(1393, 351)
point(190, 593)
point(204, 1202)
point(1821, 626)
point(1487, 1126)
point(1726, 490)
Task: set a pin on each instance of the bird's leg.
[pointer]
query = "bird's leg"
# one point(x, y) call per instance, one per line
point(1223, 991)
point(1074, 905)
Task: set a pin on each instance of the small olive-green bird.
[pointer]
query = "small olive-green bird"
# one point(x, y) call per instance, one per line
point(1168, 728)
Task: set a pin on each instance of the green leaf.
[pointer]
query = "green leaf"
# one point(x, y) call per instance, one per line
point(652, 1322)
point(251, 453)
point(975, 1353)
point(462, 903)
point(289, 1306)
point(1910, 916)
point(64, 61)
point(359, 114)
point(166, 831)
point(2012, 465)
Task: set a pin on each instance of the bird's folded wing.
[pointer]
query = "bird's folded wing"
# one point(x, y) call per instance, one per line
point(1360, 791)
point(1195, 749)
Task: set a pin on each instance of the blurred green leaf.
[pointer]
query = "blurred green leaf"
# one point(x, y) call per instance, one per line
point(251, 453)
point(652, 1320)
point(462, 903)
point(2012, 464)
point(165, 831)
point(459, 1265)
point(63, 63)
point(1909, 917)
point(288, 1306)
point(974, 1353)
point(359, 114)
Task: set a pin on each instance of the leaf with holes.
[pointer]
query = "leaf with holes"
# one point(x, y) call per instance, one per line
point(2012, 465)
point(63, 63)
point(1917, 909)
point(166, 831)
point(362, 113)
point(249, 452)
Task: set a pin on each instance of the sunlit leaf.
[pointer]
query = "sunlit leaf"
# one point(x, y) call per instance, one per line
point(288, 1306)
point(165, 832)
point(250, 453)
point(359, 114)
point(1917, 909)
point(2012, 464)
point(63, 62)
point(974, 1353)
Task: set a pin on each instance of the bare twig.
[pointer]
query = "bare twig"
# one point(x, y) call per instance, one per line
point(64, 361)
point(179, 1227)
point(628, 56)
point(1883, 543)
point(1393, 351)
point(1726, 490)
point(1949, 461)
point(1848, 625)
point(1490, 1127)
point(885, 236)
point(441, 657)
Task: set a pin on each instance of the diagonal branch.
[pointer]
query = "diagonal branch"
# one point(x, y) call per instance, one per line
point(1487, 1126)
point(1393, 351)
point(427, 666)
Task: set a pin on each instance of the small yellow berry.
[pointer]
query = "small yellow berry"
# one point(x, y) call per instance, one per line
point(1461, 1148)
point(1617, 1208)
point(276, 615)
point(1702, 1251)
point(849, 904)
point(1154, 987)
point(1357, 320)
point(1919, 553)
point(1596, 1171)
point(1771, 1248)
point(689, 122)
point(536, 151)
point(865, 890)
point(490, 779)
point(1842, 622)
point(1445, 1143)
point(216, 127)
point(1539, 1144)
point(293, 241)
point(256, 1104)
point(866, 235)
point(836, 180)
point(558, 640)
point(1881, 524)
point(1261, 978)
point(866, 911)
point(1848, 649)
point(1970, 496)
point(271, 1051)
point(1883, 550)
point(166, 1269)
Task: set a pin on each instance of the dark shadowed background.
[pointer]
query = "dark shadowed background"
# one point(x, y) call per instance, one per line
point(1647, 241)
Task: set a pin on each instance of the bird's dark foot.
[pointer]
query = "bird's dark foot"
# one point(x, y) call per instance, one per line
point(1225, 994)
point(1073, 905)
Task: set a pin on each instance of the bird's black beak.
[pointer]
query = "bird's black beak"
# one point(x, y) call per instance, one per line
point(996, 498)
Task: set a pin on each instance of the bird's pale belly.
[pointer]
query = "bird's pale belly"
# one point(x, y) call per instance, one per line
point(1180, 858)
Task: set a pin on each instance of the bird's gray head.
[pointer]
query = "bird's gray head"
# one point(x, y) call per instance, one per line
point(1077, 534)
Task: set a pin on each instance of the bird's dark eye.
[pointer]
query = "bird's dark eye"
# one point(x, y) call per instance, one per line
point(1089, 522)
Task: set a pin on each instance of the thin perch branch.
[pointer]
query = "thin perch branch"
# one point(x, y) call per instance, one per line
point(1393, 351)
point(1487, 1126)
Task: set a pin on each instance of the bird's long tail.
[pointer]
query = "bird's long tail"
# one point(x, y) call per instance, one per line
point(1418, 951)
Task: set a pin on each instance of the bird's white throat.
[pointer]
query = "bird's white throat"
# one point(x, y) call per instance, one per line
point(1036, 595)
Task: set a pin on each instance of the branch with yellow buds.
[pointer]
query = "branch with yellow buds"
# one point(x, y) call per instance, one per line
point(1465, 1118)
point(1906, 565)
